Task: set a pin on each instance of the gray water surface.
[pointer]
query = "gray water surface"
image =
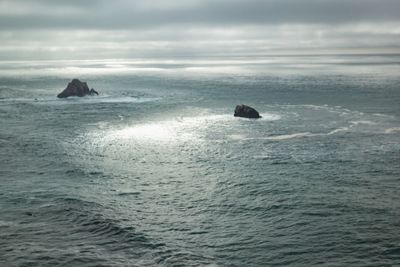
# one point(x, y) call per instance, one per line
point(156, 171)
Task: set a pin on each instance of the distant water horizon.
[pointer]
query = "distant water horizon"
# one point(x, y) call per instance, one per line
point(156, 170)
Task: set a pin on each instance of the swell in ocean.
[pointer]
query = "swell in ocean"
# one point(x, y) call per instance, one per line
point(157, 171)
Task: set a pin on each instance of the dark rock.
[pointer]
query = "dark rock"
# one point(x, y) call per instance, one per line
point(93, 92)
point(76, 88)
point(246, 112)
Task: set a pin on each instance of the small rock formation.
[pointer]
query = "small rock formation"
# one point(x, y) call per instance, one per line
point(77, 88)
point(93, 92)
point(246, 112)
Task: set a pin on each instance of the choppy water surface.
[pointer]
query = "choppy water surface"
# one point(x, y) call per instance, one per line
point(156, 171)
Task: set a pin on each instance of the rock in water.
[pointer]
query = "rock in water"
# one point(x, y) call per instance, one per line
point(246, 112)
point(76, 88)
point(93, 92)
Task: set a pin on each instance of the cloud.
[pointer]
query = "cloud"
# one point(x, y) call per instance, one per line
point(123, 28)
point(123, 14)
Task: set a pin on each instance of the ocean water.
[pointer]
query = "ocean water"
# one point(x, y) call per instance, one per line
point(156, 171)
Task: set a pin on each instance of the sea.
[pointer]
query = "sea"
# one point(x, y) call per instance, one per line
point(156, 170)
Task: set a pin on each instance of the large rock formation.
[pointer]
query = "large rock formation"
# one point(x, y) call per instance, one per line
point(246, 112)
point(77, 88)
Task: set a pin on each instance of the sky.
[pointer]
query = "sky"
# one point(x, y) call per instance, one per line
point(112, 29)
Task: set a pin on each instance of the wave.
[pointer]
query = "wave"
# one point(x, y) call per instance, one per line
point(89, 220)
point(125, 99)
point(6, 224)
point(71, 224)
point(15, 94)
point(4, 141)
point(301, 135)
point(97, 100)
point(392, 130)
point(288, 136)
point(23, 97)
point(129, 193)
point(94, 225)
point(332, 109)
point(363, 122)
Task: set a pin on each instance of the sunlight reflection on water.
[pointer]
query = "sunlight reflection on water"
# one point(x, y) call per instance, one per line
point(179, 129)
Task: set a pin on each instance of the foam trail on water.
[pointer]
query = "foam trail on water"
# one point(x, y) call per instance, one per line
point(392, 130)
point(289, 136)
point(300, 135)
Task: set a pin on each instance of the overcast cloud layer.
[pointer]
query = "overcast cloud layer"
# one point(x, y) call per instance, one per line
point(55, 29)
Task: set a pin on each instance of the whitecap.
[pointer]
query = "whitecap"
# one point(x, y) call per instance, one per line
point(289, 136)
point(6, 223)
point(106, 99)
point(363, 122)
point(301, 135)
point(392, 130)
point(237, 136)
point(384, 115)
point(270, 117)
point(338, 130)
point(262, 156)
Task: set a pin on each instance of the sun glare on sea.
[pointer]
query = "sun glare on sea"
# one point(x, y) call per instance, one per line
point(152, 132)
